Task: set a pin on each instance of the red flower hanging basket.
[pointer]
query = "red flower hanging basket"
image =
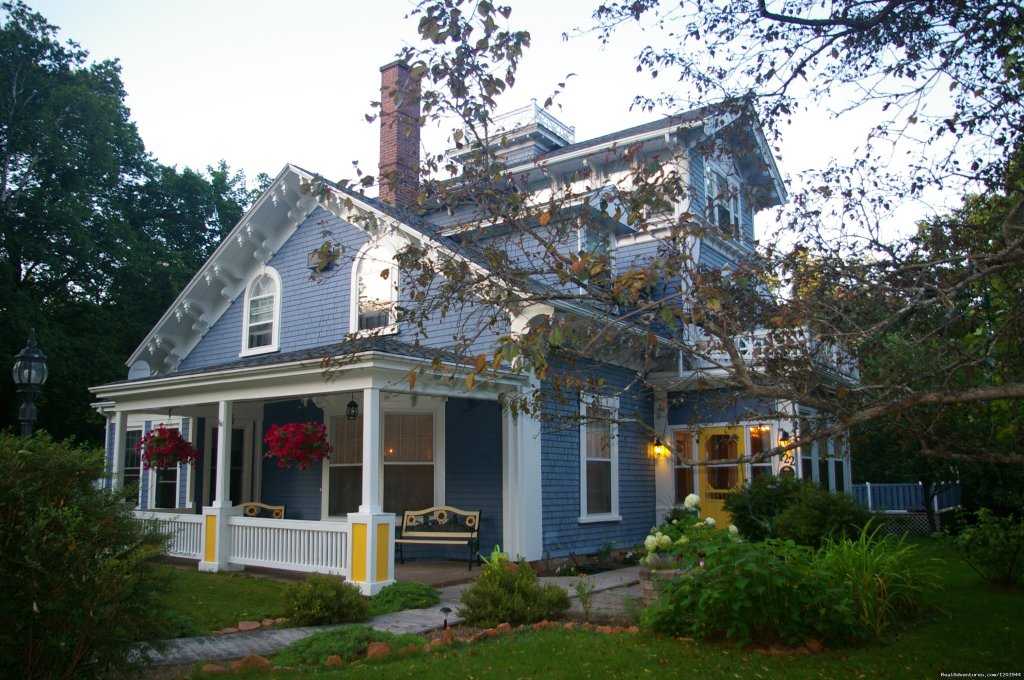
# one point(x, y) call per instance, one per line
point(164, 448)
point(299, 444)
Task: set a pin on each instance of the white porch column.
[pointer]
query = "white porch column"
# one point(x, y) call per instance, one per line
point(522, 516)
point(119, 421)
point(216, 532)
point(372, 544)
point(664, 479)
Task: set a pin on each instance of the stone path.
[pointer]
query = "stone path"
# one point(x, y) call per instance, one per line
point(613, 590)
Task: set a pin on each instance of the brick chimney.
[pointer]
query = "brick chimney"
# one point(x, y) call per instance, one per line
point(399, 166)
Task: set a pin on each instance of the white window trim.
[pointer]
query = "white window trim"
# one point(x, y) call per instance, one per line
point(735, 202)
point(691, 464)
point(353, 317)
point(275, 338)
point(172, 423)
point(612, 404)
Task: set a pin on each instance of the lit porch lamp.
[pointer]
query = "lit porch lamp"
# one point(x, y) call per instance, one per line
point(29, 374)
point(659, 450)
point(783, 437)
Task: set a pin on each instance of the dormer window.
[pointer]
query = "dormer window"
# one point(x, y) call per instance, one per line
point(375, 281)
point(262, 314)
point(723, 202)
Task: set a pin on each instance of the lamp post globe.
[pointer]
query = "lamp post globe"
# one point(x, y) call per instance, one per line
point(29, 373)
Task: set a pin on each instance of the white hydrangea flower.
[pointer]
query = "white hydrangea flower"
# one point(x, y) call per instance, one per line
point(691, 501)
point(710, 521)
point(664, 541)
point(651, 543)
point(733, 529)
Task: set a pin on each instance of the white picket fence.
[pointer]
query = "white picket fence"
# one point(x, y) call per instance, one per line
point(293, 545)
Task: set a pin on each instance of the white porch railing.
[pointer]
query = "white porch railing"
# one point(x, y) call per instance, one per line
point(295, 545)
point(186, 532)
point(754, 348)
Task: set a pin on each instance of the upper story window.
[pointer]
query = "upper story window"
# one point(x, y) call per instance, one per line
point(723, 202)
point(599, 243)
point(375, 280)
point(262, 314)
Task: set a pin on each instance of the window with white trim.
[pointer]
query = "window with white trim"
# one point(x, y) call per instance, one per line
point(599, 458)
point(683, 460)
point(723, 200)
point(261, 325)
point(132, 466)
point(760, 443)
point(375, 282)
point(408, 461)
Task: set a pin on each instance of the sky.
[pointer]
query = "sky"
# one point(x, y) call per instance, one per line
point(260, 84)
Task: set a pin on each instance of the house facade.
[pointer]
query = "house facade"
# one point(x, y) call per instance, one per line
point(300, 315)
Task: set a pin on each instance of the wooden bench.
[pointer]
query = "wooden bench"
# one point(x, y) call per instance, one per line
point(253, 510)
point(440, 525)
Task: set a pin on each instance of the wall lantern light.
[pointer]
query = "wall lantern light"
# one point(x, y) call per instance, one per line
point(659, 450)
point(29, 373)
point(783, 437)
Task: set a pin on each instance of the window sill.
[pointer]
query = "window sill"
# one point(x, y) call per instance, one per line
point(257, 351)
point(375, 332)
point(594, 519)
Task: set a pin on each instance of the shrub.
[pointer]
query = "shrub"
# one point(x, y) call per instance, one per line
point(77, 590)
point(753, 592)
point(398, 597)
point(888, 580)
point(992, 546)
point(506, 592)
point(320, 600)
point(754, 505)
point(349, 642)
point(817, 514)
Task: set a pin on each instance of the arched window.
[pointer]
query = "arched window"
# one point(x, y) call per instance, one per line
point(261, 326)
point(375, 283)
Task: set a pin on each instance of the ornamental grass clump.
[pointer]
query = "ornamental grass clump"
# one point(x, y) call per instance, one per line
point(509, 592)
point(298, 444)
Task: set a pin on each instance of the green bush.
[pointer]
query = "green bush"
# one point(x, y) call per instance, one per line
point(350, 643)
point(77, 590)
point(888, 580)
point(321, 600)
point(817, 514)
point(992, 546)
point(506, 592)
point(398, 597)
point(754, 593)
point(754, 505)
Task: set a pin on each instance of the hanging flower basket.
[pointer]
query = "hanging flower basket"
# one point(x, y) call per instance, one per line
point(299, 444)
point(164, 448)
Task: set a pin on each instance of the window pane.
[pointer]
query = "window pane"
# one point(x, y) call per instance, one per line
point(408, 438)
point(376, 289)
point(723, 478)
point(166, 488)
point(840, 481)
point(132, 457)
point(599, 486)
point(346, 489)
point(348, 447)
point(721, 447)
point(806, 467)
point(684, 483)
point(408, 487)
point(599, 434)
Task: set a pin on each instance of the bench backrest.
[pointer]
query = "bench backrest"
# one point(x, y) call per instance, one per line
point(440, 519)
point(253, 510)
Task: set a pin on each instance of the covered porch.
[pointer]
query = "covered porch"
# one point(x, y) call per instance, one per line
point(434, 444)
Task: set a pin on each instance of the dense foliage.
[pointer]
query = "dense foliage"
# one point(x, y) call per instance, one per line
point(993, 546)
point(509, 592)
point(322, 600)
point(350, 643)
point(77, 590)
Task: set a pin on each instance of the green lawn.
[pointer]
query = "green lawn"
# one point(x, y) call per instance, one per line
point(978, 630)
point(220, 600)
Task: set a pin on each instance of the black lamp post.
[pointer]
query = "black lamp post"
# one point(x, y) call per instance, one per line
point(29, 375)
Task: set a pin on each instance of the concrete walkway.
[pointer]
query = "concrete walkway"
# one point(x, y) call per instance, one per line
point(611, 590)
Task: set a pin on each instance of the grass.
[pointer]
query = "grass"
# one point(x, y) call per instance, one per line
point(978, 631)
point(220, 600)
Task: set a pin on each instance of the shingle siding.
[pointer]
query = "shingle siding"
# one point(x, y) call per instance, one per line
point(714, 406)
point(560, 469)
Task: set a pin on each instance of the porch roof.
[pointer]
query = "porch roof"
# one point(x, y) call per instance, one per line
point(381, 362)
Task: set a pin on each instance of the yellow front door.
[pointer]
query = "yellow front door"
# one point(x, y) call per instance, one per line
point(719, 470)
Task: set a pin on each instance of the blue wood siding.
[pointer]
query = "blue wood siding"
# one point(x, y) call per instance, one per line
point(297, 489)
point(690, 409)
point(560, 470)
